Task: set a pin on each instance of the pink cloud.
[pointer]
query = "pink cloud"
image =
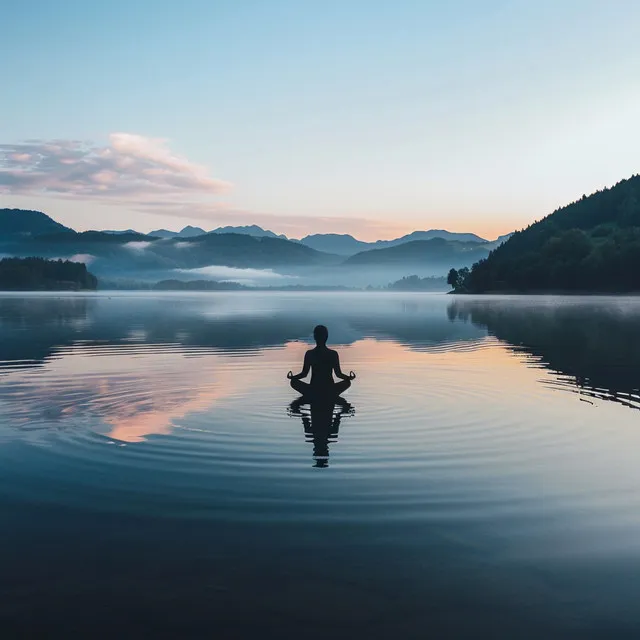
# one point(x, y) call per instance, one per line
point(129, 170)
point(105, 177)
point(142, 174)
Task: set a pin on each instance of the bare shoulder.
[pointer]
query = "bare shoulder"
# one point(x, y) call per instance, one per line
point(334, 354)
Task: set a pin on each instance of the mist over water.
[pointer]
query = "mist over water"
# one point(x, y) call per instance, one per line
point(481, 475)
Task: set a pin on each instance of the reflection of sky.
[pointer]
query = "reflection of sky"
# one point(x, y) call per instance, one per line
point(134, 391)
point(134, 366)
point(457, 460)
point(472, 416)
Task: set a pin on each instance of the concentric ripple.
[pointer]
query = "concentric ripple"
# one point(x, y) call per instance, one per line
point(185, 415)
point(483, 464)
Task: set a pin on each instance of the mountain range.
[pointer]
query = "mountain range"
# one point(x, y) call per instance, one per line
point(347, 245)
point(341, 244)
point(317, 259)
point(192, 232)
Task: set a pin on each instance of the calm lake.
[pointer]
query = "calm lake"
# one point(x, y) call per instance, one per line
point(481, 477)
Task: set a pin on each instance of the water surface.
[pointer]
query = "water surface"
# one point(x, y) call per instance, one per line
point(481, 476)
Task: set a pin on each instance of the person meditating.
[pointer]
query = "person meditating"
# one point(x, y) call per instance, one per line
point(322, 362)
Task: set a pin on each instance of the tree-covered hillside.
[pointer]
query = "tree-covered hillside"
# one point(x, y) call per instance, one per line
point(415, 283)
point(592, 245)
point(38, 274)
point(436, 251)
point(27, 223)
point(241, 250)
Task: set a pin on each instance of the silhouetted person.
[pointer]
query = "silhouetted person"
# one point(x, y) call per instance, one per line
point(321, 423)
point(323, 363)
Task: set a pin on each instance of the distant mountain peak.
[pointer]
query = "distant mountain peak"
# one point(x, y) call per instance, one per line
point(434, 233)
point(186, 232)
point(346, 245)
point(190, 232)
point(163, 233)
point(249, 230)
point(339, 243)
point(436, 252)
point(331, 235)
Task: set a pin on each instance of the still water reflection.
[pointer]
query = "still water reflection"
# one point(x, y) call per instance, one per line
point(593, 343)
point(159, 476)
point(321, 422)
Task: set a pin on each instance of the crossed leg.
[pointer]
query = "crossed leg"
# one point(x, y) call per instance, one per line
point(339, 387)
point(301, 387)
point(306, 389)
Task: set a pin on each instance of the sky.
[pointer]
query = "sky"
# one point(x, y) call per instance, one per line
point(349, 116)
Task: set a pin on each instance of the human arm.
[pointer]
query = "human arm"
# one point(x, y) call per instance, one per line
point(305, 369)
point(338, 371)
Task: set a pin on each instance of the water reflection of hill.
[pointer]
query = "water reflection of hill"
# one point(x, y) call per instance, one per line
point(595, 342)
point(33, 327)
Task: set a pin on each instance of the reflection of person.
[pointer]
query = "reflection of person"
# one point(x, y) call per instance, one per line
point(322, 362)
point(321, 423)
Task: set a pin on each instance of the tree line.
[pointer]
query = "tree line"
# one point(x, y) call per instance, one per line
point(591, 245)
point(415, 283)
point(39, 274)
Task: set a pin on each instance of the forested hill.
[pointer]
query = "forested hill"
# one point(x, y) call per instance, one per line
point(37, 274)
point(592, 245)
point(437, 251)
point(27, 223)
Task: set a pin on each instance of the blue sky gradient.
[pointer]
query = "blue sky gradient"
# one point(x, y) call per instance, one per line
point(373, 118)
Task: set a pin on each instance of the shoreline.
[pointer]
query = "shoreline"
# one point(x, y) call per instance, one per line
point(545, 292)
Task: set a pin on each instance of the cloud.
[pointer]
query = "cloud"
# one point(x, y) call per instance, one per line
point(137, 245)
point(243, 276)
point(142, 174)
point(87, 258)
point(131, 169)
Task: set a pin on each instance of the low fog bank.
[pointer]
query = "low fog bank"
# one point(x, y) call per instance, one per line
point(363, 277)
point(358, 277)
